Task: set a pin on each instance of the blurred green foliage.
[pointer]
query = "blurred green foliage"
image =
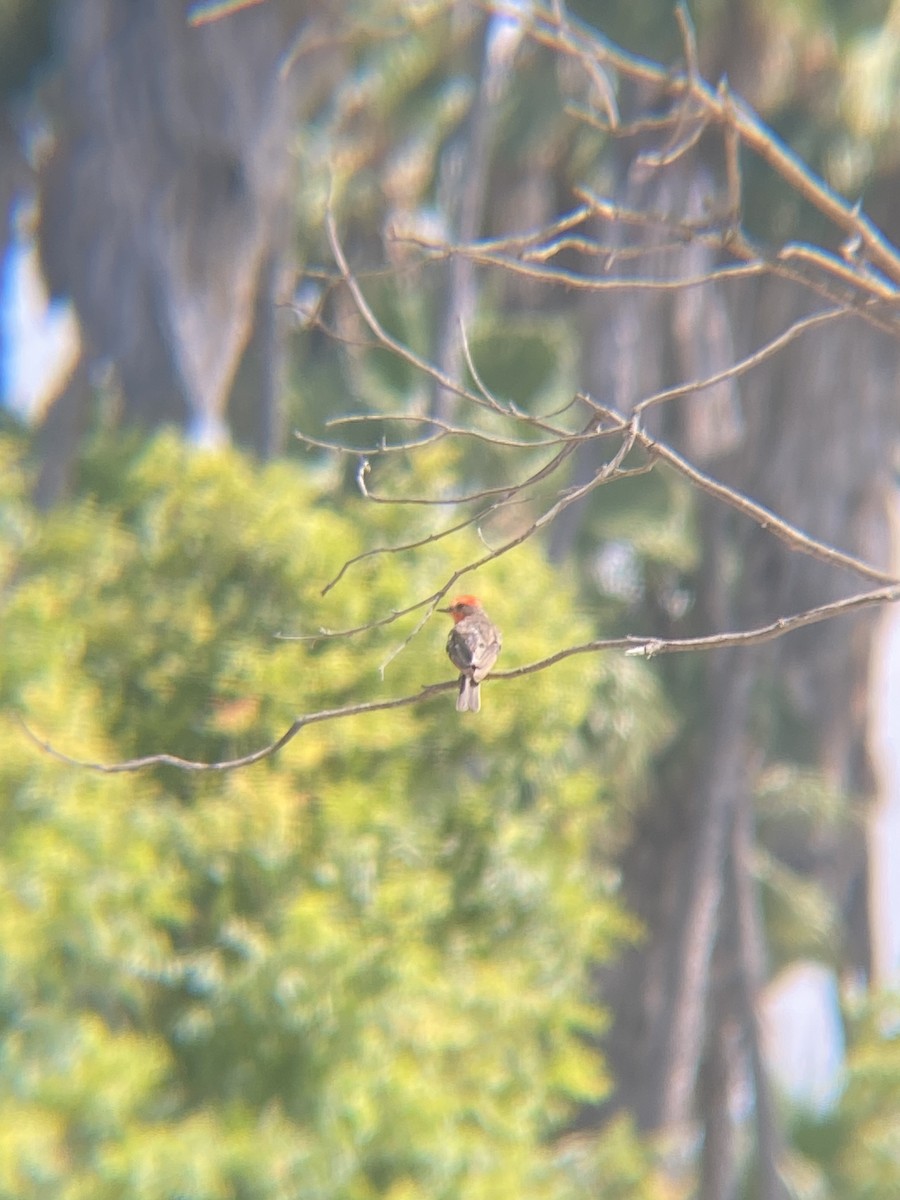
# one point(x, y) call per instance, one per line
point(852, 1152)
point(25, 43)
point(358, 969)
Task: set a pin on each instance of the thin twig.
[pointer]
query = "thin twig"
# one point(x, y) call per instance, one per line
point(574, 281)
point(688, 40)
point(508, 494)
point(510, 242)
point(727, 111)
point(764, 517)
point(391, 343)
point(752, 360)
point(605, 474)
point(445, 428)
point(651, 647)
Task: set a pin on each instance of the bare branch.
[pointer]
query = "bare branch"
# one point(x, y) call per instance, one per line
point(688, 39)
point(876, 306)
point(651, 647)
point(247, 760)
point(752, 360)
point(794, 171)
point(507, 495)
point(402, 351)
point(644, 647)
point(732, 147)
point(575, 281)
point(764, 517)
point(610, 470)
point(691, 122)
point(504, 410)
point(855, 275)
point(444, 429)
point(512, 242)
point(726, 110)
point(686, 136)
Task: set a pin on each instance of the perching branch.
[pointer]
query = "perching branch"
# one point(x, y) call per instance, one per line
point(644, 647)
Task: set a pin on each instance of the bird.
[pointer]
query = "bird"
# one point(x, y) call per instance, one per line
point(473, 646)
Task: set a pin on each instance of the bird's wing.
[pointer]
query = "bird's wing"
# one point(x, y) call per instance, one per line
point(460, 650)
point(485, 655)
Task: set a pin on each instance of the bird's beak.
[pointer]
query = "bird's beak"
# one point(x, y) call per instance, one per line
point(446, 610)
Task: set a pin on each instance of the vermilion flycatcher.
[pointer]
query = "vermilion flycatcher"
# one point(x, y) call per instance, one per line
point(473, 646)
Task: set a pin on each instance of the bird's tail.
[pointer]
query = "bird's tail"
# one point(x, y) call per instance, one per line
point(469, 698)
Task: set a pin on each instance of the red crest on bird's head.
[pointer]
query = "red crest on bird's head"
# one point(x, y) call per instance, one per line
point(462, 606)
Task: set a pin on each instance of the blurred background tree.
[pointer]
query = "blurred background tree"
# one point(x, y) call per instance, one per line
point(675, 835)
